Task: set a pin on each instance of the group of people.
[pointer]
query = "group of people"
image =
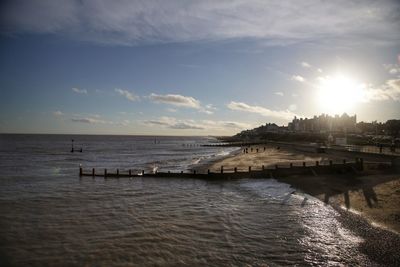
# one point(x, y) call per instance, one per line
point(246, 150)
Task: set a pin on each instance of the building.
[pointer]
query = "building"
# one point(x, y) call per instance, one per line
point(324, 123)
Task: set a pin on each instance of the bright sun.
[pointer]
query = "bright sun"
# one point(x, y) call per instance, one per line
point(339, 94)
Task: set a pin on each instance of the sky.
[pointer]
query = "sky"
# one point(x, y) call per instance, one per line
point(194, 67)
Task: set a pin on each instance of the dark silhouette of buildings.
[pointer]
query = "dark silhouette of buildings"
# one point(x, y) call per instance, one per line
point(324, 124)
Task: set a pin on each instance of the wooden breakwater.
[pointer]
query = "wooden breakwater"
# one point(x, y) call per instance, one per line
point(235, 173)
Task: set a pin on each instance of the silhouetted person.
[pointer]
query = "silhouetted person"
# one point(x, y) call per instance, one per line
point(347, 199)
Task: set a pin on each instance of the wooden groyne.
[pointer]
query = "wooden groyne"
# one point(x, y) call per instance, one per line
point(235, 173)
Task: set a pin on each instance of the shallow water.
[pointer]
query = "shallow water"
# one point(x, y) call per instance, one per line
point(49, 216)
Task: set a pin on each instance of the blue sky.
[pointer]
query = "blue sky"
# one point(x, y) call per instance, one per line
point(194, 67)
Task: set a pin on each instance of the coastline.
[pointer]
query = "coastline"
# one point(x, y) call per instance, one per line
point(374, 195)
point(368, 203)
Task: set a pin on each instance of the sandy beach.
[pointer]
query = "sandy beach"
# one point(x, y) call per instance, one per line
point(375, 195)
point(268, 156)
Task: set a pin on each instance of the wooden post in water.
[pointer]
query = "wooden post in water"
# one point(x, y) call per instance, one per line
point(93, 172)
point(222, 169)
point(304, 163)
point(194, 172)
point(361, 164)
point(130, 172)
point(291, 165)
point(105, 173)
point(235, 169)
point(317, 163)
point(276, 166)
point(142, 172)
point(80, 171)
point(263, 167)
point(208, 171)
point(344, 162)
point(117, 172)
point(330, 163)
point(249, 168)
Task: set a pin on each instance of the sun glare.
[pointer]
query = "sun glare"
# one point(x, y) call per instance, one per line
point(339, 94)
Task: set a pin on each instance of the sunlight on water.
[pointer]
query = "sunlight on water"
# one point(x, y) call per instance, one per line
point(52, 217)
point(326, 234)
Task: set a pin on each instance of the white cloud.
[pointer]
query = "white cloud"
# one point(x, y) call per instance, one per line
point(392, 68)
point(128, 95)
point(98, 120)
point(394, 71)
point(185, 126)
point(305, 65)
point(209, 125)
point(279, 93)
point(292, 107)
point(172, 110)
point(173, 123)
point(182, 101)
point(220, 125)
point(319, 70)
point(58, 113)
point(124, 123)
point(87, 120)
point(208, 112)
point(298, 78)
point(79, 91)
point(239, 106)
point(208, 109)
point(90, 119)
point(390, 90)
point(211, 107)
point(176, 100)
point(273, 22)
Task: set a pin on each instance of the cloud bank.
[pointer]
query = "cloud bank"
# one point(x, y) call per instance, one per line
point(274, 22)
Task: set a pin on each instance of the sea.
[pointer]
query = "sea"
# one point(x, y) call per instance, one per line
point(49, 216)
